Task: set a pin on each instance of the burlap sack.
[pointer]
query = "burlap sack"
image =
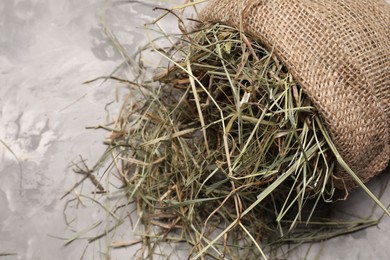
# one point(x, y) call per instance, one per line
point(339, 52)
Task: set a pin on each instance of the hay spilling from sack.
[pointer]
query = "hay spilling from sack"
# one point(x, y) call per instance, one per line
point(226, 153)
point(222, 150)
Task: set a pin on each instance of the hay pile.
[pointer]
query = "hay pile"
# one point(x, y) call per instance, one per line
point(227, 148)
point(225, 151)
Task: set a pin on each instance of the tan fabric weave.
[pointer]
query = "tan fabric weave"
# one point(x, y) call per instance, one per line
point(339, 52)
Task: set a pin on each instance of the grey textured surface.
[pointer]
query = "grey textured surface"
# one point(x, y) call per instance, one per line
point(47, 49)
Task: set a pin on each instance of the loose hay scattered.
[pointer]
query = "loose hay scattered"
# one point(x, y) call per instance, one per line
point(227, 151)
point(224, 151)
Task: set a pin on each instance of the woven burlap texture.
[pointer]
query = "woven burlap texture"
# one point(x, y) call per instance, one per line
point(339, 53)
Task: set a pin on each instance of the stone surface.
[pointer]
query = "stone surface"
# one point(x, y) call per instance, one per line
point(47, 49)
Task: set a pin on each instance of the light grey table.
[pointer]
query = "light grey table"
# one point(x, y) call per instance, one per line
point(47, 49)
